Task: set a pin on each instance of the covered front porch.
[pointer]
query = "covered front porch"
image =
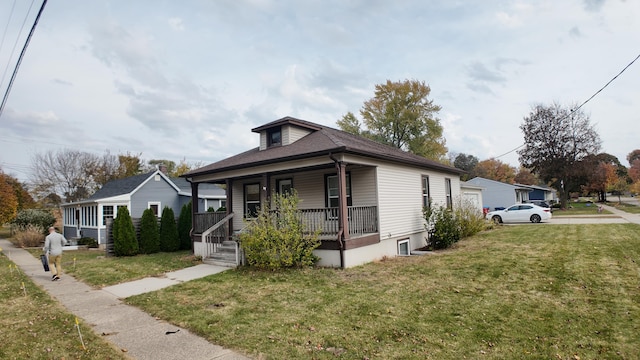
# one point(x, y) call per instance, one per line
point(349, 218)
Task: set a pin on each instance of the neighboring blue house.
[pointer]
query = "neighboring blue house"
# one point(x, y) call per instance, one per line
point(154, 190)
point(498, 194)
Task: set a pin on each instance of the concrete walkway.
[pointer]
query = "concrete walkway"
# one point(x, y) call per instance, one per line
point(138, 334)
point(616, 217)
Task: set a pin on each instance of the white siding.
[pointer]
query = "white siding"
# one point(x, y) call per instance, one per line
point(263, 140)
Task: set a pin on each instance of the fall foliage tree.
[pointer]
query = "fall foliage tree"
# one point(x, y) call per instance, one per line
point(556, 140)
point(526, 177)
point(401, 115)
point(8, 199)
point(495, 169)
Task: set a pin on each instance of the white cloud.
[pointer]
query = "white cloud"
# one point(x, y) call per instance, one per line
point(176, 24)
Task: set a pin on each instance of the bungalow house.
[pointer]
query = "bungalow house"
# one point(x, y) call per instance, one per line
point(366, 198)
point(498, 194)
point(153, 190)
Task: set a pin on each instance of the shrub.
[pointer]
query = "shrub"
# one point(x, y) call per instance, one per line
point(89, 242)
point(124, 234)
point(222, 209)
point(149, 238)
point(184, 226)
point(43, 219)
point(169, 240)
point(469, 218)
point(277, 238)
point(29, 236)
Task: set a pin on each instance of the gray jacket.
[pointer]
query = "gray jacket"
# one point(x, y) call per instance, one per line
point(53, 243)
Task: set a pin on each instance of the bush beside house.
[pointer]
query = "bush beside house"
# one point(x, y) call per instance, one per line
point(277, 238)
point(184, 227)
point(169, 240)
point(149, 238)
point(124, 234)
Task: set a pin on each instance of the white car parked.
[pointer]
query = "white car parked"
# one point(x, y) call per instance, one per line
point(520, 213)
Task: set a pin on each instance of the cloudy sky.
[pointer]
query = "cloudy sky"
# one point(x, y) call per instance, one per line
point(187, 80)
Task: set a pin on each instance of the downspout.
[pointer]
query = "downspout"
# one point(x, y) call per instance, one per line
point(340, 227)
point(194, 210)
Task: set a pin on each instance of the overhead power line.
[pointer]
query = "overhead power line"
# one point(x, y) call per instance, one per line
point(581, 105)
point(24, 49)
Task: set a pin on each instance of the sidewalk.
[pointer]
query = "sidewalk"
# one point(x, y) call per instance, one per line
point(127, 327)
point(616, 217)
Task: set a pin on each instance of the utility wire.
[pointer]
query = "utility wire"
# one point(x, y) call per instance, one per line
point(6, 68)
point(24, 49)
point(581, 105)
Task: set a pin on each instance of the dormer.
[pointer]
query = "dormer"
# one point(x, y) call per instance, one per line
point(284, 132)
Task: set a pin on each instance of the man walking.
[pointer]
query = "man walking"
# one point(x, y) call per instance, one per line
point(53, 244)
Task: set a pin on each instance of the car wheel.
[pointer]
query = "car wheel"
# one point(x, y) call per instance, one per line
point(535, 218)
point(496, 219)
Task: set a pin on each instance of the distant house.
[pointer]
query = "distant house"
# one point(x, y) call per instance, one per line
point(153, 190)
point(365, 198)
point(498, 194)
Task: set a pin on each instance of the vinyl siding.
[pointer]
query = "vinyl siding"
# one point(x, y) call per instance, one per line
point(400, 198)
point(291, 134)
point(154, 191)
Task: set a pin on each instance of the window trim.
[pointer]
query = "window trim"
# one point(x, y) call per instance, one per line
point(403, 242)
point(280, 182)
point(447, 189)
point(327, 201)
point(155, 203)
point(426, 195)
point(246, 202)
point(270, 133)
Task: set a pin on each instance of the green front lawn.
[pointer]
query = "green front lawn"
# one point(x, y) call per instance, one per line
point(528, 291)
point(579, 208)
point(94, 268)
point(630, 208)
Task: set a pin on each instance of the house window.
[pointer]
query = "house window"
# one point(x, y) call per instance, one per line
point(403, 247)
point(284, 186)
point(107, 213)
point(274, 137)
point(155, 207)
point(426, 195)
point(333, 192)
point(251, 200)
point(223, 204)
point(447, 189)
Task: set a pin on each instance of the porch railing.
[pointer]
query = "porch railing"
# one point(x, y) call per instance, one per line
point(213, 237)
point(362, 220)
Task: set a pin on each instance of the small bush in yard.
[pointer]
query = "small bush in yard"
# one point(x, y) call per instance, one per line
point(89, 242)
point(29, 236)
point(470, 219)
point(149, 238)
point(277, 237)
point(169, 240)
point(124, 234)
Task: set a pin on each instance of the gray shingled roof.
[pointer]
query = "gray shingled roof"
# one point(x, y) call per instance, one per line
point(120, 186)
point(204, 189)
point(323, 141)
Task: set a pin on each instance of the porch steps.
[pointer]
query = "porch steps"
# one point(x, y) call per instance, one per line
point(225, 255)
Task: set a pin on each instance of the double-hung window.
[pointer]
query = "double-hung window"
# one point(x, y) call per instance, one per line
point(251, 200)
point(447, 189)
point(332, 191)
point(107, 213)
point(426, 195)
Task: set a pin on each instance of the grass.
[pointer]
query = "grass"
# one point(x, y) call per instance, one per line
point(94, 268)
point(536, 292)
point(630, 208)
point(579, 208)
point(34, 326)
